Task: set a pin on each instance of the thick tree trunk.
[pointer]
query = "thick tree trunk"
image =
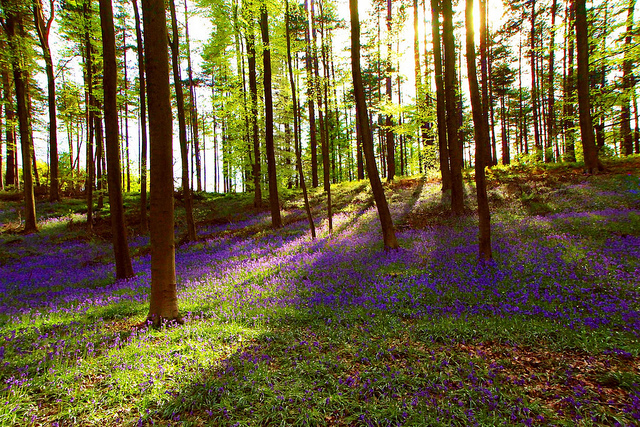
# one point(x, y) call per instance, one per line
point(274, 203)
point(481, 131)
point(15, 32)
point(591, 161)
point(182, 125)
point(388, 232)
point(453, 124)
point(144, 223)
point(110, 80)
point(163, 301)
point(296, 125)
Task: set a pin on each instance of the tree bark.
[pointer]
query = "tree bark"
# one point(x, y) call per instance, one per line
point(253, 90)
point(110, 80)
point(388, 232)
point(144, 223)
point(274, 204)
point(313, 144)
point(441, 111)
point(453, 124)
point(11, 176)
point(481, 131)
point(591, 161)
point(391, 158)
point(14, 29)
point(90, 103)
point(569, 90)
point(182, 125)
point(628, 83)
point(296, 124)
point(163, 303)
point(42, 29)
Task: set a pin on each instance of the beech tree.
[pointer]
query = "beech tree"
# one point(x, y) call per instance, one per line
point(13, 25)
point(388, 233)
point(163, 303)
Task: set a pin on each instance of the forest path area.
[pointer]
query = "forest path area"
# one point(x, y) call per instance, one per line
point(284, 330)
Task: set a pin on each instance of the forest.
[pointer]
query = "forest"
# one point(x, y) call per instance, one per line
point(327, 213)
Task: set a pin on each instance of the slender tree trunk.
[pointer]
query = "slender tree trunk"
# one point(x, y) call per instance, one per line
point(591, 161)
point(391, 149)
point(42, 28)
point(551, 116)
point(253, 89)
point(481, 131)
point(144, 223)
point(274, 203)
point(118, 228)
point(163, 301)
point(90, 102)
point(324, 122)
point(296, 124)
point(628, 85)
point(313, 144)
point(193, 110)
point(637, 120)
point(11, 176)
point(13, 26)
point(569, 90)
point(359, 156)
point(441, 111)
point(484, 67)
point(420, 94)
point(182, 125)
point(99, 155)
point(388, 232)
point(534, 85)
point(453, 124)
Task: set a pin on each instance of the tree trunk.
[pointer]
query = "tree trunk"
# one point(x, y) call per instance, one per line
point(628, 83)
point(13, 26)
point(591, 161)
point(11, 176)
point(144, 223)
point(42, 29)
point(534, 85)
point(313, 144)
point(163, 301)
point(484, 68)
point(391, 158)
point(193, 110)
point(388, 232)
point(453, 124)
point(110, 81)
point(90, 103)
point(569, 90)
point(253, 89)
point(551, 116)
point(324, 122)
point(274, 203)
point(296, 124)
point(481, 131)
point(441, 111)
point(182, 125)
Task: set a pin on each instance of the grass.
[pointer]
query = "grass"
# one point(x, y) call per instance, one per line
point(283, 330)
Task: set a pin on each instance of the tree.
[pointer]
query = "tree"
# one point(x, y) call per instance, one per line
point(144, 222)
point(391, 161)
point(274, 204)
point(164, 300)
point(441, 111)
point(182, 125)
point(388, 232)
point(591, 161)
point(453, 125)
point(43, 29)
point(13, 25)
point(118, 229)
point(253, 91)
point(628, 83)
point(481, 130)
point(296, 124)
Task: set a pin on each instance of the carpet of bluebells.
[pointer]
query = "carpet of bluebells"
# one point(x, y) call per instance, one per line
point(284, 330)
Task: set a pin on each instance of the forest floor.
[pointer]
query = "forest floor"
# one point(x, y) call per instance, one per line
point(281, 329)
